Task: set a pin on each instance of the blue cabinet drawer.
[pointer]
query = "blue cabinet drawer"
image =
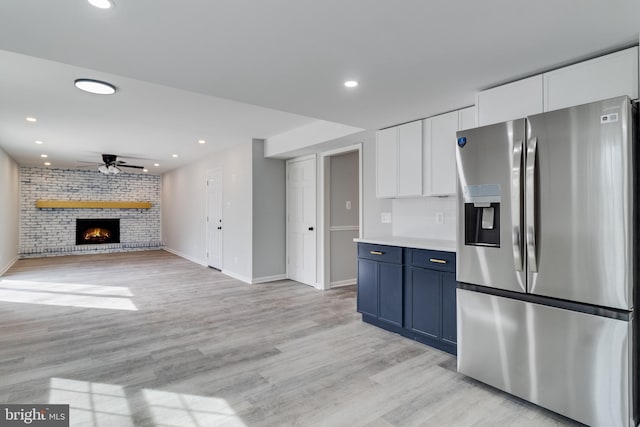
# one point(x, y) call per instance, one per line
point(434, 260)
point(382, 253)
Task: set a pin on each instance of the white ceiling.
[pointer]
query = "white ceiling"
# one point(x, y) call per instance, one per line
point(174, 61)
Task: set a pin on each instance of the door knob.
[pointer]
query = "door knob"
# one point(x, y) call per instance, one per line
point(310, 228)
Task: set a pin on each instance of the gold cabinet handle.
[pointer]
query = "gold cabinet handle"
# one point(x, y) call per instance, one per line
point(376, 253)
point(437, 261)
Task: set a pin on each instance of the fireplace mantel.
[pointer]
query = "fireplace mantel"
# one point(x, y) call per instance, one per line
point(90, 204)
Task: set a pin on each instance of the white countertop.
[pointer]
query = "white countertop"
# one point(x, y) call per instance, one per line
point(410, 242)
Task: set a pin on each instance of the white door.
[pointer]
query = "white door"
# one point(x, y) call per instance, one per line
point(301, 221)
point(214, 220)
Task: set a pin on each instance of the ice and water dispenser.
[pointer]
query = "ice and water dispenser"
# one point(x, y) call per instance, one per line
point(482, 215)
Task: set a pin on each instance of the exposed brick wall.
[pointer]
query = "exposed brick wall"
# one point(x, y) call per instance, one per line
point(48, 232)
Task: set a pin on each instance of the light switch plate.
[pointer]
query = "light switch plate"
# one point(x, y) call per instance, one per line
point(385, 217)
point(439, 217)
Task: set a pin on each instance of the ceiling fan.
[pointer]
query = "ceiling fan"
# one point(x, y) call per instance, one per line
point(111, 165)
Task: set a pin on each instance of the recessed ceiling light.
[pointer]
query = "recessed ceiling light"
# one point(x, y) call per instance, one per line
point(145, 170)
point(39, 142)
point(174, 155)
point(156, 164)
point(47, 164)
point(31, 119)
point(351, 83)
point(102, 4)
point(95, 86)
point(44, 156)
point(202, 141)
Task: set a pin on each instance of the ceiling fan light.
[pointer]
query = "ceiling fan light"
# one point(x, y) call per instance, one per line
point(113, 169)
point(95, 86)
point(104, 169)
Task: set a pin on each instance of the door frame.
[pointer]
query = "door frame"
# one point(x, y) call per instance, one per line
point(323, 271)
point(215, 173)
point(287, 163)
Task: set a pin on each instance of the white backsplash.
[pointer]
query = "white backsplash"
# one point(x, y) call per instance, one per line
point(417, 218)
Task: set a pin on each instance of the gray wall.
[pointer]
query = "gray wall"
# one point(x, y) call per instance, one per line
point(9, 211)
point(344, 185)
point(269, 233)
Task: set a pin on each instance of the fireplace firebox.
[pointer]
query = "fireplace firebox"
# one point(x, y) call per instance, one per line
point(97, 231)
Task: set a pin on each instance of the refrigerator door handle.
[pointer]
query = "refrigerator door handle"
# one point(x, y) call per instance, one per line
point(516, 204)
point(532, 148)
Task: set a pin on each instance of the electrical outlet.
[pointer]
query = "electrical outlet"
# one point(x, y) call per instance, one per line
point(348, 205)
point(385, 217)
point(439, 217)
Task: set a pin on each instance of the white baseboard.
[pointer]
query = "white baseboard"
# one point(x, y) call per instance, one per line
point(237, 276)
point(185, 256)
point(265, 279)
point(8, 266)
point(340, 283)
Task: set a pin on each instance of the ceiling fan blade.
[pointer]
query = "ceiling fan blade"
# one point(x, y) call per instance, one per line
point(130, 166)
point(89, 163)
point(122, 156)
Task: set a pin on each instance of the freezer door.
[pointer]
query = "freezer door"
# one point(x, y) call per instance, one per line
point(490, 243)
point(572, 363)
point(579, 204)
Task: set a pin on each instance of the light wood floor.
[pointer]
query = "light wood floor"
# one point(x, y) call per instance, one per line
point(154, 340)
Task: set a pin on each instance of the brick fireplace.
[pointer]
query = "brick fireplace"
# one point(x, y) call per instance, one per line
point(53, 231)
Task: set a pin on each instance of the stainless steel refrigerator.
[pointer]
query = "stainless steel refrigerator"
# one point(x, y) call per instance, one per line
point(548, 257)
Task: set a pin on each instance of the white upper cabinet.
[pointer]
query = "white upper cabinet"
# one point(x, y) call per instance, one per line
point(511, 101)
point(399, 161)
point(410, 159)
point(440, 151)
point(387, 162)
point(600, 78)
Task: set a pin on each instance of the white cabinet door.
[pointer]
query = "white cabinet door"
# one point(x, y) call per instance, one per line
point(410, 159)
point(600, 78)
point(467, 118)
point(387, 162)
point(443, 154)
point(511, 101)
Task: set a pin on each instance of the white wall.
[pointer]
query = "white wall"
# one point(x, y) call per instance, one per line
point(9, 210)
point(237, 214)
point(316, 132)
point(253, 213)
point(184, 210)
point(416, 217)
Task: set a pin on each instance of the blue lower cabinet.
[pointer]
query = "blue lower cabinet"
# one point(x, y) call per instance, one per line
point(380, 285)
point(430, 307)
point(409, 291)
point(449, 326)
point(423, 302)
point(390, 293)
point(368, 287)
